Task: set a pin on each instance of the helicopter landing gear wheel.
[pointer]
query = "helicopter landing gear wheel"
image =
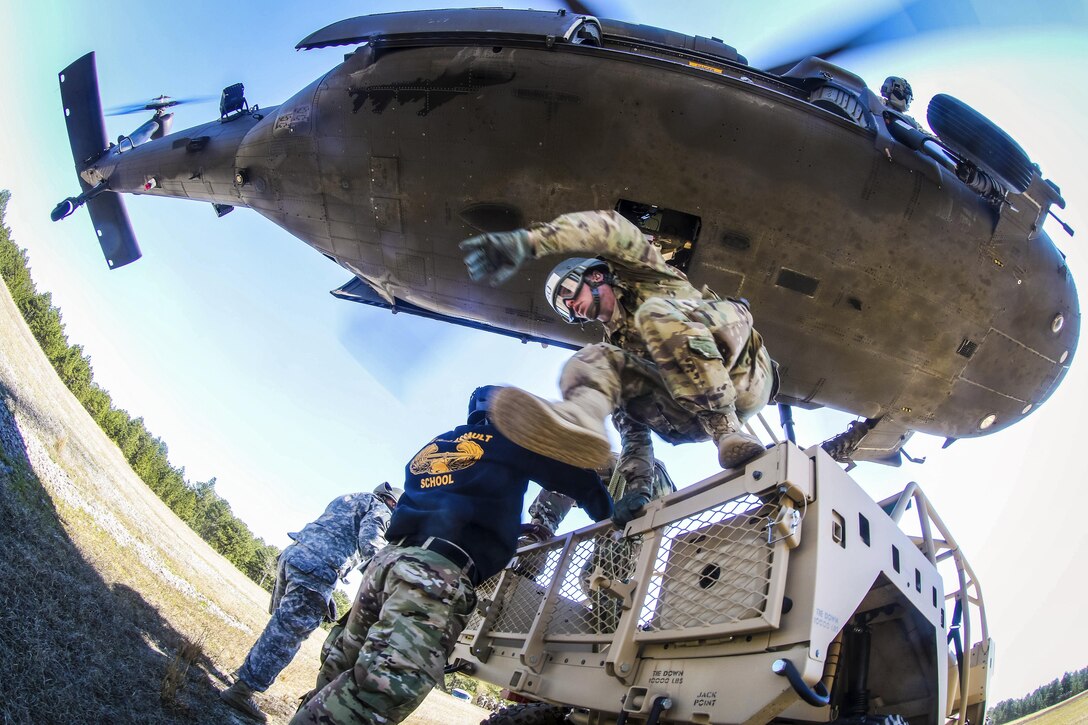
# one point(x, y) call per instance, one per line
point(530, 713)
point(971, 135)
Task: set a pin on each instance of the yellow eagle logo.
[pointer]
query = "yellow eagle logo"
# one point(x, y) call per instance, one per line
point(432, 459)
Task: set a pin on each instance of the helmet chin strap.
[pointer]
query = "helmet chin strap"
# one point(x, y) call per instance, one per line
point(595, 308)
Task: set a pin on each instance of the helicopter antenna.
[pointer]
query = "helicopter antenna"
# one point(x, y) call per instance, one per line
point(1068, 229)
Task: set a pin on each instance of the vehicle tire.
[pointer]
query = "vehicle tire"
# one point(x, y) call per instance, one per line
point(529, 713)
point(977, 139)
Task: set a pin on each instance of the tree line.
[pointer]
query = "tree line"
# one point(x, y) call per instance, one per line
point(197, 504)
point(1058, 690)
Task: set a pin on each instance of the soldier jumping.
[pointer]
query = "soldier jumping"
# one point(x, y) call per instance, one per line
point(682, 363)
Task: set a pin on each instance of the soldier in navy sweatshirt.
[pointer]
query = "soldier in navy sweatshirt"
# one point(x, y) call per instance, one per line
point(456, 525)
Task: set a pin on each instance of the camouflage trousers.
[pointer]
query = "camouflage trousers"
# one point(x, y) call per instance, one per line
point(698, 358)
point(297, 610)
point(411, 607)
point(549, 508)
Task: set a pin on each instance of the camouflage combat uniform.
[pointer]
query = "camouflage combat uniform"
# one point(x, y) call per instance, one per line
point(351, 530)
point(462, 500)
point(673, 354)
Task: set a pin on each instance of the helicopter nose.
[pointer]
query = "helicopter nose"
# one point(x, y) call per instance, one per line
point(1026, 353)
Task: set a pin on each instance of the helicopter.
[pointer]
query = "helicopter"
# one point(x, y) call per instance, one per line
point(897, 275)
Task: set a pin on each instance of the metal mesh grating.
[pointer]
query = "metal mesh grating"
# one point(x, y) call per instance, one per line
point(581, 609)
point(529, 580)
point(712, 568)
point(484, 593)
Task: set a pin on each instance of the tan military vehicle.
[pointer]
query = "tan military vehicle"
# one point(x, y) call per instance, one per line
point(777, 593)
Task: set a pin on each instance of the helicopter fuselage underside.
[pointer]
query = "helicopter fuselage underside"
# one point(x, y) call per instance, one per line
point(881, 289)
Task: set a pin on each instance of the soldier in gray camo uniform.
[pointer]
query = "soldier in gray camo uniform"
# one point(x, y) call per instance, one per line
point(349, 532)
point(680, 362)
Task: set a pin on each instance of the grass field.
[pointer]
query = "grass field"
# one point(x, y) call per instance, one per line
point(1073, 711)
point(111, 609)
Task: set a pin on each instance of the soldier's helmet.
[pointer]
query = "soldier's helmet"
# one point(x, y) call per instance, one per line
point(897, 92)
point(390, 493)
point(480, 402)
point(566, 281)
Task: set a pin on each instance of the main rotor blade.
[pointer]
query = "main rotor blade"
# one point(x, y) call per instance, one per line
point(598, 9)
point(155, 104)
point(918, 17)
point(126, 109)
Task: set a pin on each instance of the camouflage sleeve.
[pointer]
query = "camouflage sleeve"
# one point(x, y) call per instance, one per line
point(353, 561)
point(635, 469)
point(372, 530)
point(604, 234)
point(550, 508)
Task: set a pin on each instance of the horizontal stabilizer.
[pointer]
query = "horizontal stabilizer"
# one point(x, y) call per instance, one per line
point(356, 290)
point(426, 27)
point(83, 111)
point(87, 135)
point(114, 230)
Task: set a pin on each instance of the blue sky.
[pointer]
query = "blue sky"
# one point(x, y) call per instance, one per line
point(225, 339)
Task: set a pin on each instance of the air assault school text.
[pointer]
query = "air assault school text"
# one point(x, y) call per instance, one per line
point(433, 460)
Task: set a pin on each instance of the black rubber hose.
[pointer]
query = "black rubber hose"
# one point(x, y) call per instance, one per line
point(816, 696)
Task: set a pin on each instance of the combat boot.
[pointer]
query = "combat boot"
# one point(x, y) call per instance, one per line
point(570, 431)
point(240, 697)
point(735, 446)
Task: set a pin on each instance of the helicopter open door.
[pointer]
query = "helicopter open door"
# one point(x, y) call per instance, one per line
point(674, 232)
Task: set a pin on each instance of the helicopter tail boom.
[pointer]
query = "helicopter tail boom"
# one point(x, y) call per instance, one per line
point(87, 136)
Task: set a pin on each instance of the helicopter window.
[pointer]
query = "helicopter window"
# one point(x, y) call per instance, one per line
point(797, 282)
point(674, 232)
